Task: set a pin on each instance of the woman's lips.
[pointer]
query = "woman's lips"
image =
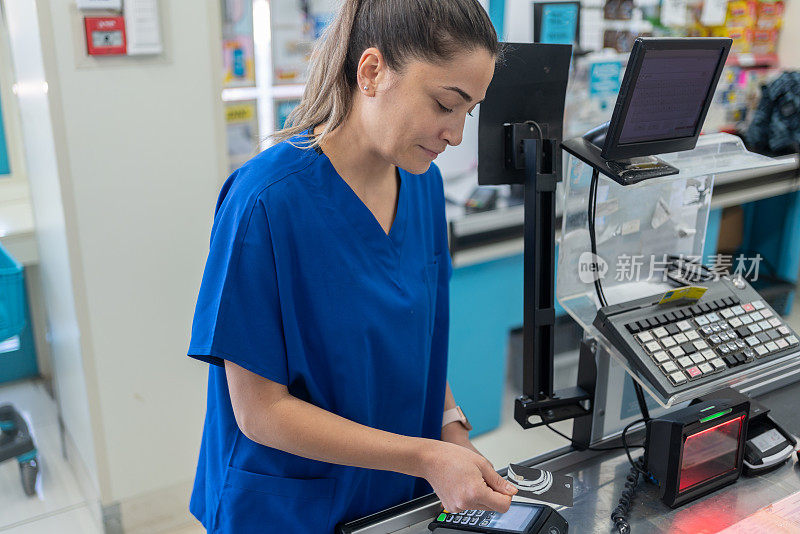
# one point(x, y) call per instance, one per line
point(430, 153)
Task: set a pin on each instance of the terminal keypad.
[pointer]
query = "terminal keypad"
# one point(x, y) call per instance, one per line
point(479, 518)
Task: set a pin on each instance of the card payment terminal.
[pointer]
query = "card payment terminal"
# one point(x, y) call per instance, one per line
point(521, 518)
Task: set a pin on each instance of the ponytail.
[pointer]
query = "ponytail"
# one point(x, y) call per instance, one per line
point(327, 96)
point(433, 30)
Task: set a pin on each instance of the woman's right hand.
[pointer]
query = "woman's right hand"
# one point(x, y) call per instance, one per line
point(463, 479)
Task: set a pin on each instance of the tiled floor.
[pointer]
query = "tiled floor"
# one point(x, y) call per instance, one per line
point(57, 489)
point(59, 505)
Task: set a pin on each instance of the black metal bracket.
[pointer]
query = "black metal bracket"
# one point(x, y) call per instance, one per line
point(541, 176)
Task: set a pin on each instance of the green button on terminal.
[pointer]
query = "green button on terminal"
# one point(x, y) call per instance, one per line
point(441, 517)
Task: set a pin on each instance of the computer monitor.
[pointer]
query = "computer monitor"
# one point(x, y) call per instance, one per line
point(665, 95)
point(556, 22)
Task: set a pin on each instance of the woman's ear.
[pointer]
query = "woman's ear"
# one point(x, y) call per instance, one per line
point(371, 71)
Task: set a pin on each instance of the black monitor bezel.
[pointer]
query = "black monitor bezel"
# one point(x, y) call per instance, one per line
point(537, 20)
point(612, 149)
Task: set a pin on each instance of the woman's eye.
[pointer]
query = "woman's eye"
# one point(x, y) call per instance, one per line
point(446, 110)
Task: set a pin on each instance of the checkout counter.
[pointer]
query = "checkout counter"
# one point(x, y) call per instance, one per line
point(674, 214)
point(600, 477)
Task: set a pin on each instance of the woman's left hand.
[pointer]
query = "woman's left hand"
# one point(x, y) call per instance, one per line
point(457, 434)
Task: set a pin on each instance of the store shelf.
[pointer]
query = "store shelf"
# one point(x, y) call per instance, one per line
point(752, 60)
point(237, 94)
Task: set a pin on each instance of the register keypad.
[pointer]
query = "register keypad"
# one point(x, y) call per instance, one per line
point(710, 342)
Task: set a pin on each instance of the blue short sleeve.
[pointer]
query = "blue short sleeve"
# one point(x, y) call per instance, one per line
point(237, 317)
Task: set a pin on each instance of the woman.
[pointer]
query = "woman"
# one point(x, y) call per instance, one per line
point(324, 302)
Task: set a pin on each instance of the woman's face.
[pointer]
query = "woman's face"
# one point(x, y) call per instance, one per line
point(416, 113)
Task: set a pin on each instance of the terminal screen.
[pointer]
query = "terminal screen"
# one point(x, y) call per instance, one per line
point(518, 518)
point(669, 95)
point(710, 453)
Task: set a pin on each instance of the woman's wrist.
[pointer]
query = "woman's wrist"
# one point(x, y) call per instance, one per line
point(422, 456)
point(455, 433)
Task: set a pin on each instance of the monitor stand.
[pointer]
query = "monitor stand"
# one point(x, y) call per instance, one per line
point(623, 171)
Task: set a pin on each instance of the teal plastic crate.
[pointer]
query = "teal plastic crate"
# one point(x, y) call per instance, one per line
point(12, 296)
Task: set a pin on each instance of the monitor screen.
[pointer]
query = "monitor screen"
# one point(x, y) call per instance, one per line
point(518, 518)
point(710, 453)
point(669, 95)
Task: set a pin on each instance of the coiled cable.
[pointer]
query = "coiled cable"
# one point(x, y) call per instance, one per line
point(620, 514)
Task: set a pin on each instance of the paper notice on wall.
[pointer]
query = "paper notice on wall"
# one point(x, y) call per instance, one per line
point(714, 12)
point(591, 27)
point(674, 12)
point(142, 27)
point(99, 4)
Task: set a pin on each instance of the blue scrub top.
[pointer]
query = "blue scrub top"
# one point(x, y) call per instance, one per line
point(302, 286)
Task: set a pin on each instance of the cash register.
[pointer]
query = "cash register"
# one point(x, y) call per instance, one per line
point(684, 332)
point(637, 188)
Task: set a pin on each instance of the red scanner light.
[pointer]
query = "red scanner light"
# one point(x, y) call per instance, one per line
point(710, 453)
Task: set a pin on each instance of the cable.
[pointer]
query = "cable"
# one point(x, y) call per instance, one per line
point(628, 447)
point(538, 128)
point(640, 399)
point(620, 514)
point(580, 446)
point(591, 213)
point(601, 297)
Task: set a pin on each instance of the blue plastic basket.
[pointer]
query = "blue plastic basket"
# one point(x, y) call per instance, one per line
point(12, 296)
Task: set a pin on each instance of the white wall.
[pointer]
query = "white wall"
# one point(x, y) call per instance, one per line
point(140, 152)
point(146, 152)
point(789, 45)
point(518, 21)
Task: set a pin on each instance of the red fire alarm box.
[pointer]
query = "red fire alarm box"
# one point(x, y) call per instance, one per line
point(105, 36)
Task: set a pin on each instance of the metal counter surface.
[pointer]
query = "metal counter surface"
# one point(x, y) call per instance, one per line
point(600, 480)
